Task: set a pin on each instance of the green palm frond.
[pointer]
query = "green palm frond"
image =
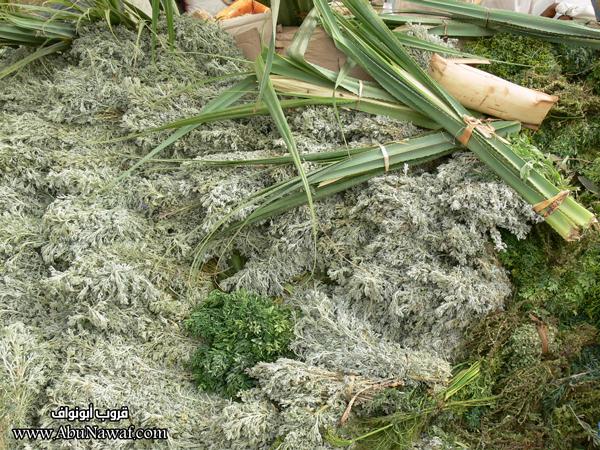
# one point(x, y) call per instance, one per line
point(557, 31)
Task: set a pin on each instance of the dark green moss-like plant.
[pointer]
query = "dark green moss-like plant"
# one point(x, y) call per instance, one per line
point(237, 331)
point(525, 55)
point(548, 401)
point(563, 279)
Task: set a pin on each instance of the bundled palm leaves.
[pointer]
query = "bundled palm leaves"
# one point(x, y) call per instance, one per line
point(466, 19)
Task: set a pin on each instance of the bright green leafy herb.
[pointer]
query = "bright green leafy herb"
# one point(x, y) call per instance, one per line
point(237, 330)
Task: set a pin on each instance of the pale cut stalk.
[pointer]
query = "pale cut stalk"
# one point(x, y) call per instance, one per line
point(297, 88)
point(489, 94)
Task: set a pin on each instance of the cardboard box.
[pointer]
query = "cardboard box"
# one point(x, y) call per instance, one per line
point(321, 51)
point(253, 31)
point(250, 32)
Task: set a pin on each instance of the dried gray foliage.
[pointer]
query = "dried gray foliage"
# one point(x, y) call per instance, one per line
point(25, 366)
point(292, 405)
point(409, 255)
point(328, 334)
point(423, 57)
point(125, 371)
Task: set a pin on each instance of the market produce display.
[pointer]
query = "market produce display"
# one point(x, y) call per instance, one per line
point(271, 255)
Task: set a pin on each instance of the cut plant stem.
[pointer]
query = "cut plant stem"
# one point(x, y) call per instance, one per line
point(490, 94)
point(298, 88)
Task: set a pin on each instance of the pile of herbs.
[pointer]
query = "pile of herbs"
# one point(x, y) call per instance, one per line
point(96, 287)
point(98, 265)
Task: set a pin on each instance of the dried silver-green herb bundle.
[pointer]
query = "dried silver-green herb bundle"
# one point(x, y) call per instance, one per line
point(294, 404)
point(26, 363)
point(329, 334)
point(423, 57)
point(409, 254)
point(118, 371)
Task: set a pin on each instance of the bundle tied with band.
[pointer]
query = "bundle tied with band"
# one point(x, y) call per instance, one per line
point(386, 158)
point(473, 123)
point(545, 207)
